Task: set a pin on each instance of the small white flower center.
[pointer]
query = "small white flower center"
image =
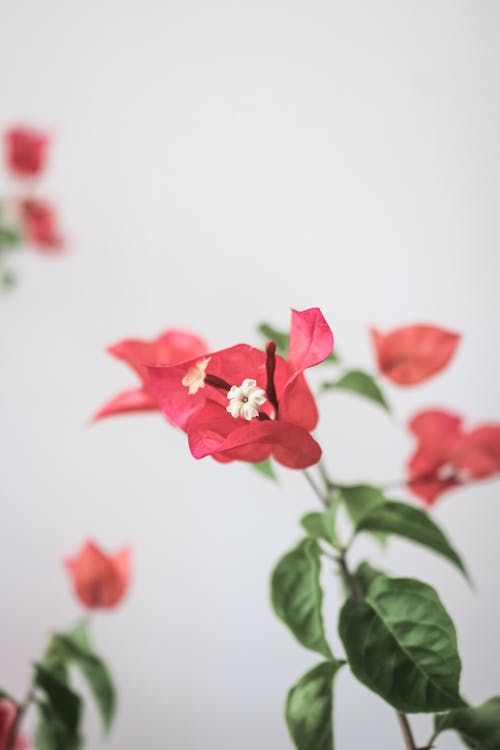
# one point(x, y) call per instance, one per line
point(245, 400)
point(194, 379)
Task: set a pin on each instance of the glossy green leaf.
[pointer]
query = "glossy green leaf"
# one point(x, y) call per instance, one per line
point(365, 575)
point(359, 499)
point(266, 468)
point(479, 728)
point(63, 702)
point(322, 525)
point(51, 732)
point(361, 383)
point(309, 708)
point(75, 649)
point(297, 596)
point(411, 523)
point(401, 643)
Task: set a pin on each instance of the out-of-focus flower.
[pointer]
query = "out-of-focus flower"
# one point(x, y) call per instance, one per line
point(448, 456)
point(25, 151)
point(412, 354)
point(8, 717)
point(172, 347)
point(39, 223)
point(244, 404)
point(99, 580)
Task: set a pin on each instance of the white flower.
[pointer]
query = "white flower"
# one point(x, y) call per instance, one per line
point(194, 379)
point(244, 401)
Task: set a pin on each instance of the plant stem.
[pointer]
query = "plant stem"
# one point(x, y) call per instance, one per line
point(406, 730)
point(315, 488)
point(354, 588)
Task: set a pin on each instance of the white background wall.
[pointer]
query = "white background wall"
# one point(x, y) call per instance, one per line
point(215, 164)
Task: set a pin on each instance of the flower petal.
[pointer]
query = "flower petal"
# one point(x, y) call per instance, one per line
point(412, 354)
point(479, 453)
point(311, 340)
point(170, 348)
point(290, 445)
point(133, 400)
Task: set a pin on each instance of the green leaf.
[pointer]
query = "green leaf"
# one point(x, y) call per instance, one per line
point(479, 728)
point(309, 708)
point(365, 575)
point(411, 523)
point(297, 596)
point(359, 499)
point(401, 643)
point(362, 383)
point(75, 649)
point(9, 237)
point(280, 338)
point(322, 525)
point(266, 468)
point(63, 702)
point(51, 732)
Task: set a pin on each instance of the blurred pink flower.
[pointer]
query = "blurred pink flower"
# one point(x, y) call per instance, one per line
point(39, 222)
point(25, 151)
point(8, 716)
point(99, 580)
point(448, 456)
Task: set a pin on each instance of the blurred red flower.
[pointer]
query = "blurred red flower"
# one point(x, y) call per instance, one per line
point(448, 456)
point(99, 580)
point(412, 354)
point(244, 404)
point(171, 347)
point(8, 717)
point(39, 224)
point(25, 151)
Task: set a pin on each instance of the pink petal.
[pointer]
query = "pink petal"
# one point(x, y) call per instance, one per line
point(479, 453)
point(412, 354)
point(170, 348)
point(290, 445)
point(134, 400)
point(311, 340)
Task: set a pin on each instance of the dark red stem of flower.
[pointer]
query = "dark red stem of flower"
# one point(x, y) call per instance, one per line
point(217, 382)
point(263, 416)
point(270, 368)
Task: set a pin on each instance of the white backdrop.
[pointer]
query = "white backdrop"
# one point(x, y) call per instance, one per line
point(215, 164)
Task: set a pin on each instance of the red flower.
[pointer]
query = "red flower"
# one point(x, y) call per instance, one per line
point(99, 580)
point(25, 151)
point(170, 348)
point(8, 717)
point(448, 456)
point(39, 223)
point(412, 354)
point(244, 404)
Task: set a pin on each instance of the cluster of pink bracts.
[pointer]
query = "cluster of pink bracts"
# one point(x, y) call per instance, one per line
point(190, 385)
point(26, 152)
point(8, 719)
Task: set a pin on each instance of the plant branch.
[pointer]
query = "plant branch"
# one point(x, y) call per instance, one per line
point(315, 488)
point(406, 730)
point(352, 585)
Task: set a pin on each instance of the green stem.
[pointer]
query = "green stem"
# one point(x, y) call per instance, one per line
point(317, 491)
point(352, 585)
